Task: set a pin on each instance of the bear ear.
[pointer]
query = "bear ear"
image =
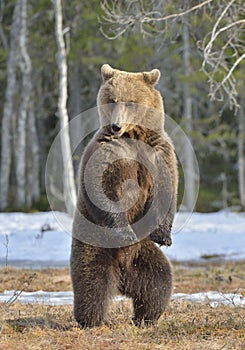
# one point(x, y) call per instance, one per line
point(152, 77)
point(107, 72)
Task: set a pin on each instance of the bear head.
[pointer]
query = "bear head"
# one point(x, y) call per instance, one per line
point(126, 100)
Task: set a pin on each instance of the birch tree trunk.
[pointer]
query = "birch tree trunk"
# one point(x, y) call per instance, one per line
point(8, 110)
point(75, 104)
point(68, 172)
point(20, 154)
point(2, 35)
point(241, 156)
point(33, 159)
point(189, 172)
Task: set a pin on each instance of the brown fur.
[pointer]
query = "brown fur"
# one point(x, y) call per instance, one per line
point(120, 255)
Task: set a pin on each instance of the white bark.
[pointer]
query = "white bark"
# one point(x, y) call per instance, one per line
point(241, 158)
point(75, 106)
point(8, 109)
point(189, 171)
point(33, 159)
point(2, 35)
point(25, 66)
point(68, 172)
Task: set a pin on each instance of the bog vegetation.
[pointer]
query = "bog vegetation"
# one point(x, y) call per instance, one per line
point(183, 326)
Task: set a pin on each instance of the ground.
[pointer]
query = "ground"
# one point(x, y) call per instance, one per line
point(184, 325)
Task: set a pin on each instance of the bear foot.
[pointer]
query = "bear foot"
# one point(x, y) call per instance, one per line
point(143, 323)
point(89, 323)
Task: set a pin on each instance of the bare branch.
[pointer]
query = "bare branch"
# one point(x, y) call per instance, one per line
point(120, 33)
point(175, 15)
point(222, 61)
point(18, 293)
point(222, 47)
point(125, 18)
point(208, 47)
point(6, 245)
point(217, 23)
point(229, 75)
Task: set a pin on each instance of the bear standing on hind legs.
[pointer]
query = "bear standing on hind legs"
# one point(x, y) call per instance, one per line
point(126, 203)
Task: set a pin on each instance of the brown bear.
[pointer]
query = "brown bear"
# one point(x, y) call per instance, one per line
point(126, 203)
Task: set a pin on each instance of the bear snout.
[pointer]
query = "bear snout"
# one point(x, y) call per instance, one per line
point(116, 127)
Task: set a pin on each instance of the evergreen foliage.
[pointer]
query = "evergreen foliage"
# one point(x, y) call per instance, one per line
point(214, 125)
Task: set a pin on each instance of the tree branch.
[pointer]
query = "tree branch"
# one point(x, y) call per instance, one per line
point(229, 75)
point(180, 14)
point(113, 14)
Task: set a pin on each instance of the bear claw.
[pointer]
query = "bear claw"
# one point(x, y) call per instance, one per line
point(161, 239)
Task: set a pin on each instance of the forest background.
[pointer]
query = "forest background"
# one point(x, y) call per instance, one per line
point(197, 45)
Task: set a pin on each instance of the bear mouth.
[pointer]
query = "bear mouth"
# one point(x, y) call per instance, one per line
point(117, 134)
point(122, 132)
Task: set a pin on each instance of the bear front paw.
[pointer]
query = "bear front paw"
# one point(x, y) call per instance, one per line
point(161, 237)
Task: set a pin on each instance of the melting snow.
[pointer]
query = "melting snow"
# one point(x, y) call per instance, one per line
point(212, 298)
point(44, 239)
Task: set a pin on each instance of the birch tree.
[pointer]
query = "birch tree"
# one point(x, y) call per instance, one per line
point(68, 172)
point(33, 158)
point(241, 156)
point(75, 104)
point(189, 198)
point(8, 110)
point(26, 87)
point(2, 35)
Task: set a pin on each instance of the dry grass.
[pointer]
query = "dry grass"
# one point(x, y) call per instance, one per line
point(183, 326)
point(46, 279)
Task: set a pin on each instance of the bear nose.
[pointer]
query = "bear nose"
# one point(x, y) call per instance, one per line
point(116, 127)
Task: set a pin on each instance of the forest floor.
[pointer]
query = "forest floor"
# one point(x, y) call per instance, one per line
point(183, 326)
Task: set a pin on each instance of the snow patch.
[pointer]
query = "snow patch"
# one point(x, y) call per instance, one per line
point(212, 298)
point(44, 239)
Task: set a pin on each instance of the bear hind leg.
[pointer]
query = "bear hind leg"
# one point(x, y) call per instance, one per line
point(93, 283)
point(148, 281)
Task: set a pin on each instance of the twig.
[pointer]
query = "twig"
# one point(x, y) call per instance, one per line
point(6, 245)
point(180, 14)
point(5, 306)
point(231, 300)
point(123, 20)
point(216, 61)
point(213, 37)
point(19, 292)
point(229, 75)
